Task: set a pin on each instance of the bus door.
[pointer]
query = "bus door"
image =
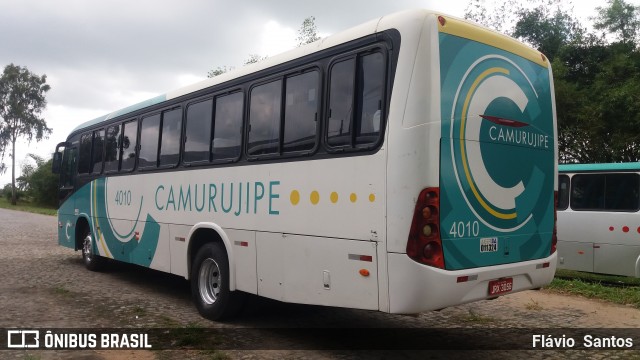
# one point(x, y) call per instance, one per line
point(66, 165)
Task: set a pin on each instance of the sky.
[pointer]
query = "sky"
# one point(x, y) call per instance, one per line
point(101, 56)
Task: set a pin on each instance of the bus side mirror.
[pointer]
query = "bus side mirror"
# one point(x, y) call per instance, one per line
point(56, 163)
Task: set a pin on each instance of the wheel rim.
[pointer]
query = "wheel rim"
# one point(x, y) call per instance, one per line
point(87, 248)
point(209, 281)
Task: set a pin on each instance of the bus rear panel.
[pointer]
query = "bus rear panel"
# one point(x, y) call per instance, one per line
point(487, 228)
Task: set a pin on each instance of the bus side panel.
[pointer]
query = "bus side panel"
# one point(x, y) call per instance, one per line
point(244, 259)
point(602, 234)
point(67, 223)
point(122, 230)
point(616, 259)
point(575, 255)
point(319, 271)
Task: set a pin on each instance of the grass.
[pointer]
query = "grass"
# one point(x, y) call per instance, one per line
point(476, 318)
point(60, 290)
point(616, 289)
point(27, 206)
point(533, 305)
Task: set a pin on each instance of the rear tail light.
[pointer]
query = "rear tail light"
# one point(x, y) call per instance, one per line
point(554, 236)
point(424, 244)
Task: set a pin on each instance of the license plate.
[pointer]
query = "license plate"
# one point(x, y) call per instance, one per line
point(500, 286)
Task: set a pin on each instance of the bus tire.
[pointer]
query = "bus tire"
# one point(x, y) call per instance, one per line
point(210, 284)
point(92, 261)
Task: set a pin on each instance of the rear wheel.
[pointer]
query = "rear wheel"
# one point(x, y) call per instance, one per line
point(92, 260)
point(210, 284)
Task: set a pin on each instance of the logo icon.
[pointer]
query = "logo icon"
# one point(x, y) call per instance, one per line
point(23, 339)
point(493, 133)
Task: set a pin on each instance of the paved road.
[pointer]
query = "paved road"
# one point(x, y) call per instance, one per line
point(46, 286)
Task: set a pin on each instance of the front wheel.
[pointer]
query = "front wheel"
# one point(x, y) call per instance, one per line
point(92, 260)
point(210, 284)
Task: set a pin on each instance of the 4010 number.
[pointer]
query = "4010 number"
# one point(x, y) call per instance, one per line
point(460, 229)
point(123, 197)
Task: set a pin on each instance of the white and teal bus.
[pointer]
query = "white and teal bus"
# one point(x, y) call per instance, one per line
point(598, 219)
point(404, 165)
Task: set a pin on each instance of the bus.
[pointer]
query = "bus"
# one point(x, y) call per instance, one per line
point(404, 165)
point(598, 220)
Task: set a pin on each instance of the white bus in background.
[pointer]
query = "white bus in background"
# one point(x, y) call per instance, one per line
point(404, 165)
point(598, 219)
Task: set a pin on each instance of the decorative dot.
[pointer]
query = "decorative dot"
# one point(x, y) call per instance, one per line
point(372, 197)
point(314, 197)
point(625, 229)
point(295, 197)
point(611, 228)
point(334, 197)
point(353, 197)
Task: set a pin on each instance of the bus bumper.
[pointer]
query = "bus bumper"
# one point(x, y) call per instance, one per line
point(415, 287)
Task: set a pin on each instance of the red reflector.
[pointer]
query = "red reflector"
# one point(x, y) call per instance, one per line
point(244, 243)
point(545, 265)
point(368, 258)
point(462, 279)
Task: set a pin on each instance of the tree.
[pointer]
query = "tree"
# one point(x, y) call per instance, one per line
point(618, 18)
point(547, 27)
point(38, 182)
point(22, 99)
point(308, 31)
point(498, 18)
point(254, 58)
point(218, 71)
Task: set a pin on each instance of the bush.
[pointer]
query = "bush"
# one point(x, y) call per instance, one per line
point(6, 192)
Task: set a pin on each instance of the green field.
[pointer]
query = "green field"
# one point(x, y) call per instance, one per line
point(616, 289)
point(26, 206)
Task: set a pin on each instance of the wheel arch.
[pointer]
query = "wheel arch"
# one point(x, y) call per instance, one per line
point(81, 223)
point(206, 232)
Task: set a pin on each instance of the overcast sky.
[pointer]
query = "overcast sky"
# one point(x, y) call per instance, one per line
point(100, 56)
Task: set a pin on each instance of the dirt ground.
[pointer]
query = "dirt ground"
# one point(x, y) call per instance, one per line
point(594, 313)
point(46, 286)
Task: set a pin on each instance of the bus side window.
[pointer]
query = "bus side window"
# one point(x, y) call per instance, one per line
point(129, 144)
point(371, 76)
point(622, 192)
point(67, 175)
point(356, 92)
point(198, 131)
point(149, 136)
point(227, 132)
point(84, 164)
point(341, 103)
point(112, 149)
point(563, 192)
point(264, 118)
point(171, 131)
point(587, 192)
point(300, 112)
point(98, 146)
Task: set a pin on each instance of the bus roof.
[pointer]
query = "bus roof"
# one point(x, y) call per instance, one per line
point(400, 20)
point(570, 168)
